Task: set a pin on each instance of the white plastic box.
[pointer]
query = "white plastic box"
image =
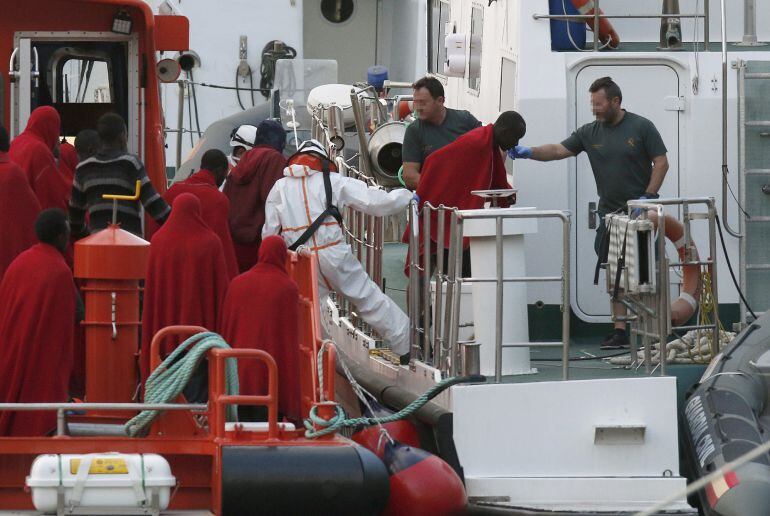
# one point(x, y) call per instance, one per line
point(101, 480)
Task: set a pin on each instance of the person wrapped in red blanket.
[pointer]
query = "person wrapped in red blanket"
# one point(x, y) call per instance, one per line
point(37, 322)
point(262, 312)
point(475, 161)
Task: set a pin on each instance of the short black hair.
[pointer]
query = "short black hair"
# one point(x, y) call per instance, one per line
point(87, 142)
point(110, 127)
point(433, 85)
point(50, 225)
point(5, 140)
point(509, 128)
point(214, 159)
point(610, 87)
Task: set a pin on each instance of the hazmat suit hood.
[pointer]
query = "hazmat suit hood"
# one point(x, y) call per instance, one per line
point(272, 251)
point(45, 124)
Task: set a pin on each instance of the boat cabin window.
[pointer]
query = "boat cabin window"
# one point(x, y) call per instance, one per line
point(83, 80)
point(439, 19)
point(337, 11)
point(474, 54)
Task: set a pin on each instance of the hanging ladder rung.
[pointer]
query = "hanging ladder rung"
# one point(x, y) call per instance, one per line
point(758, 266)
point(758, 123)
point(758, 219)
point(757, 75)
point(757, 171)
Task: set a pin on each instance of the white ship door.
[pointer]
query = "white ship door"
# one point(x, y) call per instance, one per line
point(344, 30)
point(23, 71)
point(653, 92)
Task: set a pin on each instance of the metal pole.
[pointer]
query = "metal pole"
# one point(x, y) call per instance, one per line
point(596, 25)
point(426, 275)
point(725, 221)
point(750, 24)
point(706, 21)
point(499, 300)
point(363, 149)
point(180, 125)
point(457, 297)
point(61, 422)
point(714, 293)
point(451, 284)
point(565, 295)
point(664, 315)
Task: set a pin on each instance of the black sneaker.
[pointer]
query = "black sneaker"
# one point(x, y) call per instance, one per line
point(616, 340)
point(404, 359)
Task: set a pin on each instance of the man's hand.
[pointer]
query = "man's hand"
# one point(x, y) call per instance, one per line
point(520, 152)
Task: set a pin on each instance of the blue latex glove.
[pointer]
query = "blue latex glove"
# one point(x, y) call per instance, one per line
point(636, 212)
point(416, 198)
point(520, 152)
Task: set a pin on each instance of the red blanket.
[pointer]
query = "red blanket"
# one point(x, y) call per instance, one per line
point(186, 277)
point(32, 150)
point(18, 210)
point(472, 162)
point(247, 188)
point(37, 321)
point(68, 161)
point(261, 312)
point(215, 208)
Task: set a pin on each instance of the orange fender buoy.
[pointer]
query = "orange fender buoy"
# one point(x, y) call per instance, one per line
point(683, 308)
point(371, 438)
point(607, 34)
point(421, 483)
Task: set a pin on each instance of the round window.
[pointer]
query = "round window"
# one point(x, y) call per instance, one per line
point(337, 11)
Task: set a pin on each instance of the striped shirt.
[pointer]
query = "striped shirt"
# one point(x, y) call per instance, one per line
point(113, 172)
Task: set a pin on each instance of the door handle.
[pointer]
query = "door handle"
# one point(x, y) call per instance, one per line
point(592, 211)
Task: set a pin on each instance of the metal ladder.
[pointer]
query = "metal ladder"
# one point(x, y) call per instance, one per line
point(754, 179)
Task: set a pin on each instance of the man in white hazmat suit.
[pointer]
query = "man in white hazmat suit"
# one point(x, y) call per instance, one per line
point(297, 209)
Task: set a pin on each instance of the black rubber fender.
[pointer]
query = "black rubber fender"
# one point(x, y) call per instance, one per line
point(311, 480)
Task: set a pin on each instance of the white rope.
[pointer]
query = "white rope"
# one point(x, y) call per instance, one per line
point(704, 481)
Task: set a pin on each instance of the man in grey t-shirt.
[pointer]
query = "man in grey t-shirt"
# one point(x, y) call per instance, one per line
point(628, 159)
point(436, 127)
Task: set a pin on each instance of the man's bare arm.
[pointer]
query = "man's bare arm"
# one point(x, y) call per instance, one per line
point(551, 152)
point(659, 169)
point(411, 174)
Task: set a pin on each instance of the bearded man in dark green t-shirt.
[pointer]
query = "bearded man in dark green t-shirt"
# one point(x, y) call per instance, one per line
point(435, 127)
point(628, 159)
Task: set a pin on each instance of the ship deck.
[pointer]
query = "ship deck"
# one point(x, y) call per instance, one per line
point(587, 360)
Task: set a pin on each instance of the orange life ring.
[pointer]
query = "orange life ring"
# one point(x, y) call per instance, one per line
point(607, 34)
point(687, 302)
point(405, 108)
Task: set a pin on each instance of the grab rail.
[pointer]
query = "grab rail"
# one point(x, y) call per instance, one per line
point(596, 16)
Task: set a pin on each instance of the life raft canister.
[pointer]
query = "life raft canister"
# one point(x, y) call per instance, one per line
point(687, 302)
point(421, 483)
point(607, 34)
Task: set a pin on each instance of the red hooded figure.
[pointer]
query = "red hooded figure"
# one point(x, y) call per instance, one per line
point(261, 312)
point(186, 277)
point(214, 208)
point(68, 160)
point(33, 149)
point(18, 210)
point(449, 175)
point(247, 187)
point(37, 321)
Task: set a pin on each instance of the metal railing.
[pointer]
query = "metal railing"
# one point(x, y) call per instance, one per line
point(597, 16)
point(650, 317)
point(435, 332)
